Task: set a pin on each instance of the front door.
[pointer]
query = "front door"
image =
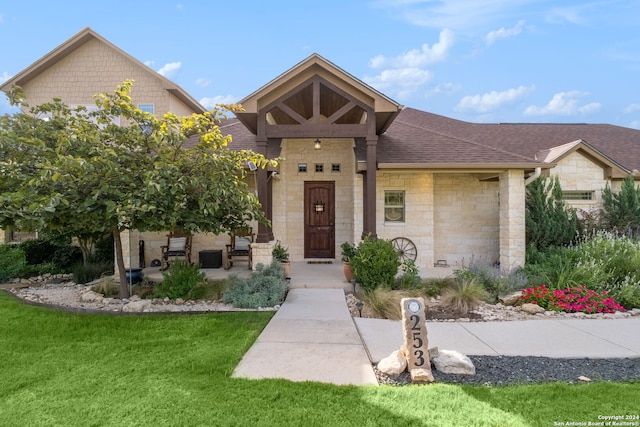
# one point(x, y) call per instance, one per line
point(319, 219)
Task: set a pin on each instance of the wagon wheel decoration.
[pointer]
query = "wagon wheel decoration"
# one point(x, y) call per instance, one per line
point(406, 248)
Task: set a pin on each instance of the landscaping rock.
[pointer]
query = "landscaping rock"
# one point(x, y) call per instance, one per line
point(91, 296)
point(532, 308)
point(511, 299)
point(393, 365)
point(453, 362)
point(137, 306)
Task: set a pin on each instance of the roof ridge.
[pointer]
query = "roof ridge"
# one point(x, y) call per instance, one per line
point(400, 120)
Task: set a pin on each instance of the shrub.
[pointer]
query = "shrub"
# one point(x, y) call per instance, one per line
point(548, 221)
point(265, 287)
point(375, 264)
point(183, 280)
point(349, 250)
point(384, 303)
point(84, 273)
point(38, 251)
point(104, 250)
point(464, 295)
point(494, 281)
point(410, 276)
point(435, 287)
point(65, 257)
point(12, 262)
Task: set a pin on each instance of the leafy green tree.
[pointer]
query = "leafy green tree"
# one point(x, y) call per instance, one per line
point(621, 212)
point(548, 220)
point(72, 172)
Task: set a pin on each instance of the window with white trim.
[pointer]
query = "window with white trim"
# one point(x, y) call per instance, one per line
point(394, 206)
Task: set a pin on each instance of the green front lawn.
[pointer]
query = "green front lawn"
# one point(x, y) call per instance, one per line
point(64, 369)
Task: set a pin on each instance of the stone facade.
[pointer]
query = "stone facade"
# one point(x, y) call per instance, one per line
point(512, 219)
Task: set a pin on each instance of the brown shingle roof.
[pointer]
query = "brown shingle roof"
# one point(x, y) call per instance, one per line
point(620, 144)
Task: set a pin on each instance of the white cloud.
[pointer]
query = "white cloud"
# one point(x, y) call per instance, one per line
point(459, 15)
point(444, 89)
point(220, 99)
point(492, 100)
point(402, 82)
point(418, 57)
point(564, 104)
point(4, 77)
point(635, 124)
point(170, 69)
point(504, 33)
point(632, 108)
point(202, 82)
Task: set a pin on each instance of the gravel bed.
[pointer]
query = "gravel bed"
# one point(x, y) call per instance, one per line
point(509, 370)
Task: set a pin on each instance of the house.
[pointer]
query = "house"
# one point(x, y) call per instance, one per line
point(357, 163)
point(85, 65)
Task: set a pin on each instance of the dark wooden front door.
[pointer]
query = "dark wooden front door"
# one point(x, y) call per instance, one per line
point(319, 219)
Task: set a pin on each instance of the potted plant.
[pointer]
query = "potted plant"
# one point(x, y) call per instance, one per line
point(349, 250)
point(281, 254)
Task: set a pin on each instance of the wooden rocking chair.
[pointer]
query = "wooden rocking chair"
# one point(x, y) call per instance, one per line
point(178, 246)
point(239, 247)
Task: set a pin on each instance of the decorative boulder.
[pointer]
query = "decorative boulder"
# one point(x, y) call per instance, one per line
point(532, 308)
point(453, 362)
point(511, 299)
point(137, 306)
point(393, 365)
point(91, 296)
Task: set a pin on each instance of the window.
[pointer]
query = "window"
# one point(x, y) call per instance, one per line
point(302, 168)
point(335, 167)
point(147, 108)
point(319, 167)
point(394, 206)
point(577, 195)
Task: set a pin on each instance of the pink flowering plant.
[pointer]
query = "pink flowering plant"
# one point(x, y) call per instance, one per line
point(572, 300)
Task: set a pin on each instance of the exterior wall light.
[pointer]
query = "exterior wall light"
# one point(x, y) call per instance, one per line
point(316, 144)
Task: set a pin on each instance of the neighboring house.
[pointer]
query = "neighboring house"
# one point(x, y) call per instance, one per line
point(357, 163)
point(87, 64)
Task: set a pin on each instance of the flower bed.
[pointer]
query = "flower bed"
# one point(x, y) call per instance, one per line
point(572, 300)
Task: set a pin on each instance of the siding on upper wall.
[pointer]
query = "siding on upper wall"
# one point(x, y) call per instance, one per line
point(95, 68)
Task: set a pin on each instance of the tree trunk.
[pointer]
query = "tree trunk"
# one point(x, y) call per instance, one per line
point(124, 287)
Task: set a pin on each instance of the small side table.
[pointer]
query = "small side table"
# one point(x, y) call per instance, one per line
point(210, 258)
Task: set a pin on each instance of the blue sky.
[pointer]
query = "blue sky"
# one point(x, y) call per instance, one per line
point(480, 61)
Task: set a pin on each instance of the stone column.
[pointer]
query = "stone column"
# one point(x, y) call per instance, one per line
point(512, 219)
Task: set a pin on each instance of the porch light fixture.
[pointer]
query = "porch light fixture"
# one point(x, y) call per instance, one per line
point(316, 144)
point(318, 207)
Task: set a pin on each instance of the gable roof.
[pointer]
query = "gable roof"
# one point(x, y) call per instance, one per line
point(76, 41)
point(385, 109)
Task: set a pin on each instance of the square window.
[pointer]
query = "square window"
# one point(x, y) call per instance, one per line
point(319, 167)
point(302, 168)
point(394, 206)
point(335, 167)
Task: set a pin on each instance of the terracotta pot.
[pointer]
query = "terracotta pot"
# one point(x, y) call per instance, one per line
point(287, 269)
point(348, 273)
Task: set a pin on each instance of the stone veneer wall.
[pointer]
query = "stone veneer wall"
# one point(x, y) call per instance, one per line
point(512, 219)
point(419, 211)
point(578, 173)
point(288, 190)
point(466, 219)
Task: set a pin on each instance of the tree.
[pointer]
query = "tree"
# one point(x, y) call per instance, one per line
point(548, 221)
point(72, 172)
point(621, 212)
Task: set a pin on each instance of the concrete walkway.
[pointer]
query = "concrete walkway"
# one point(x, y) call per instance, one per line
point(585, 338)
point(311, 338)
